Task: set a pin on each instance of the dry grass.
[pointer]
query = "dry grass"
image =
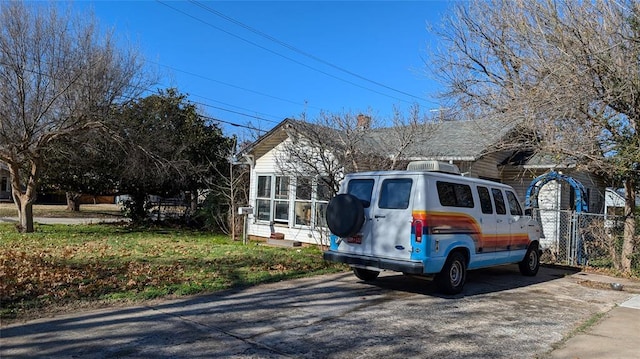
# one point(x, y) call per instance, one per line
point(83, 265)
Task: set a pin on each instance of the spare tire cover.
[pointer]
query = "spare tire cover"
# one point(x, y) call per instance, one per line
point(345, 215)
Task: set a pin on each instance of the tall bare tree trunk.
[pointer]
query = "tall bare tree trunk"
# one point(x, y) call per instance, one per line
point(628, 243)
point(24, 201)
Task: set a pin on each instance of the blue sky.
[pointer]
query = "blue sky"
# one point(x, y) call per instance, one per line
point(253, 63)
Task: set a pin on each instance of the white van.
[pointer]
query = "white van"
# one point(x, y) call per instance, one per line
point(429, 220)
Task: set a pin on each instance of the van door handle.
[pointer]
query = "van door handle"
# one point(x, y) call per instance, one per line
point(379, 216)
point(499, 220)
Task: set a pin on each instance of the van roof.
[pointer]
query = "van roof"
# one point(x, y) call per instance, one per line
point(432, 174)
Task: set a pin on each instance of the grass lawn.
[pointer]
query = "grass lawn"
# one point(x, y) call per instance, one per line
point(60, 211)
point(61, 267)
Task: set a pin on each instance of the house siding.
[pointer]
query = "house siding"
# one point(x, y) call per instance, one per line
point(266, 165)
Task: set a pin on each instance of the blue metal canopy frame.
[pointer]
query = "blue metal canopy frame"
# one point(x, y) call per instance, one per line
point(531, 199)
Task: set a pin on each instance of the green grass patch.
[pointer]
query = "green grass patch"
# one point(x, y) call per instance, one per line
point(62, 265)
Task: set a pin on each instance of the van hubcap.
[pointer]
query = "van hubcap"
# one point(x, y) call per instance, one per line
point(455, 274)
point(533, 257)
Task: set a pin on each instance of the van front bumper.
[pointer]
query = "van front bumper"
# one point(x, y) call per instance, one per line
point(409, 267)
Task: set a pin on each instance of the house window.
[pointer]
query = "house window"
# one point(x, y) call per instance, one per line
point(263, 201)
point(4, 184)
point(303, 201)
point(274, 199)
point(323, 195)
point(281, 199)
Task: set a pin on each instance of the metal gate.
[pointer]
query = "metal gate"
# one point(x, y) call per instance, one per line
point(578, 238)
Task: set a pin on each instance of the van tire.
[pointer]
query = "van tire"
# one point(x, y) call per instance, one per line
point(345, 215)
point(531, 262)
point(451, 278)
point(365, 274)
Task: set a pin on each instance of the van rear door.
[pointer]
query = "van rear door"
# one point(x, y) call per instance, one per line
point(362, 188)
point(391, 216)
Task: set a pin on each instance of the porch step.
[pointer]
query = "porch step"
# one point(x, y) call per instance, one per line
point(283, 243)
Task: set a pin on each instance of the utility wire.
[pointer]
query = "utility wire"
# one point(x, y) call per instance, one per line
point(281, 55)
point(230, 85)
point(40, 73)
point(299, 51)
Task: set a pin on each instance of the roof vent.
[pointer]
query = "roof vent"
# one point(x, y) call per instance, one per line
point(433, 166)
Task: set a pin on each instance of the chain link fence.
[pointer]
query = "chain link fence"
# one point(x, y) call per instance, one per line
point(573, 238)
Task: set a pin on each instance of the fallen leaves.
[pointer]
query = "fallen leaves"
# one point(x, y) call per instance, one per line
point(58, 268)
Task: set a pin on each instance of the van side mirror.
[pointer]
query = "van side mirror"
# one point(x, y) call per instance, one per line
point(528, 211)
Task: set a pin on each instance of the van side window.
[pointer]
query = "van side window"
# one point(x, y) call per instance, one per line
point(498, 200)
point(361, 189)
point(395, 193)
point(485, 200)
point(514, 205)
point(454, 194)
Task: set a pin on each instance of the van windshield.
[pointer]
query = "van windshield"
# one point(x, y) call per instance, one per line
point(361, 189)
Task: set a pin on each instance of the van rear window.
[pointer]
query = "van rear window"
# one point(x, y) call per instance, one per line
point(455, 194)
point(395, 193)
point(361, 189)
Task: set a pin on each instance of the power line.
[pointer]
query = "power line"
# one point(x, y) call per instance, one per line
point(301, 52)
point(281, 55)
point(230, 85)
point(40, 73)
point(240, 113)
point(216, 107)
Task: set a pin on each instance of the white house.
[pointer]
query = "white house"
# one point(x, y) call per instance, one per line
point(294, 207)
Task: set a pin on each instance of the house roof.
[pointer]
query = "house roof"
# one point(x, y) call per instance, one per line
point(450, 140)
point(447, 140)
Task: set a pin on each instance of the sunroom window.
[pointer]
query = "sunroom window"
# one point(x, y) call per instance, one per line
point(305, 206)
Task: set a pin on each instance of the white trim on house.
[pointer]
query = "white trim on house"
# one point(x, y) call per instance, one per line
point(302, 215)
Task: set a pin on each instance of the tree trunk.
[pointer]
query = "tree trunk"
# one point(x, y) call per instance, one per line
point(193, 200)
point(628, 243)
point(24, 200)
point(73, 201)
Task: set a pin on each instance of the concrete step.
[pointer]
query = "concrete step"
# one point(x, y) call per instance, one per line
point(283, 243)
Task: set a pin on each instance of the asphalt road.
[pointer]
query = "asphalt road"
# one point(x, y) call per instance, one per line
point(501, 314)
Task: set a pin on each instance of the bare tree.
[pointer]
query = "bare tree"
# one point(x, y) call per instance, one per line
point(59, 75)
point(233, 189)
point(395, 143)
point(334, 144)
point(322, 148)
point(565, 70)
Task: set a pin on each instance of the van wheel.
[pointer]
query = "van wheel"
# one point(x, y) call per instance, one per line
point(531, 262)
point(345, 215)
point(452, 277)
point(365, 274)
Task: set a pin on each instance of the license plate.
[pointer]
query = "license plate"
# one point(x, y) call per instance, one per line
point(354, 240)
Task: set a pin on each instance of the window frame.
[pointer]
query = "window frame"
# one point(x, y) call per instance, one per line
point(282, 205)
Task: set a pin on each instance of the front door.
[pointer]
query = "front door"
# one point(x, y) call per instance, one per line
point(391, 217)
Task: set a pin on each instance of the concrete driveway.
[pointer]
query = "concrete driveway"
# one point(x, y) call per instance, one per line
point(501, 314)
